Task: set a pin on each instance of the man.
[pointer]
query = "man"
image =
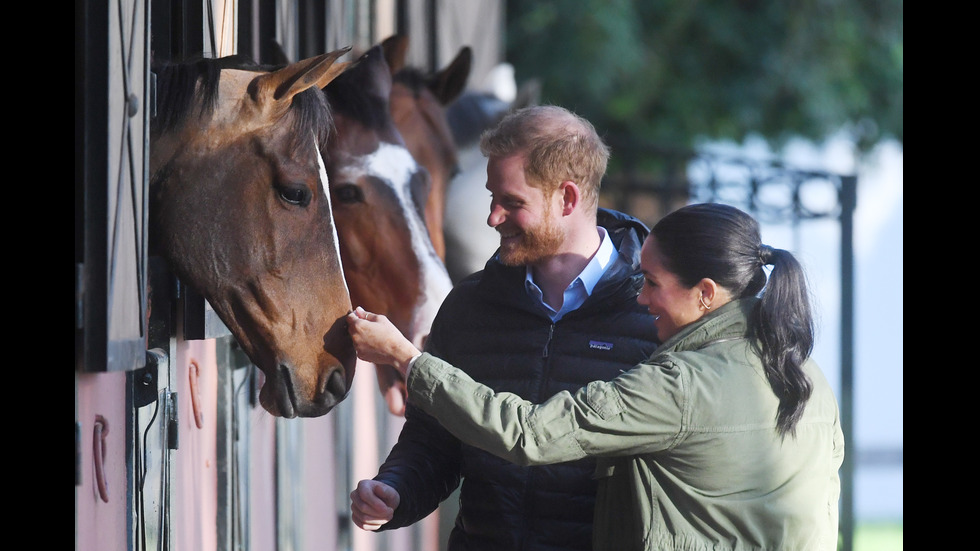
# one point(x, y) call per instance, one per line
point(553, 309)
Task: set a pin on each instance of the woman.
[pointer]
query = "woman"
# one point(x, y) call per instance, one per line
point(727, 438)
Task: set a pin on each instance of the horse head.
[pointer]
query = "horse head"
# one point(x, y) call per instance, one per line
point(379, 196)
point(418, 108)
point(240, 209)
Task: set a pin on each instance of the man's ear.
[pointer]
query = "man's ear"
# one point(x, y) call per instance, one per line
point(571, 197)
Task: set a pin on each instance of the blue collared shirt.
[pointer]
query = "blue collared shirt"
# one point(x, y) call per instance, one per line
point(581, 287)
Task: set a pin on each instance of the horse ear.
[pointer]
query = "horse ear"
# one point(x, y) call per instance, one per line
point(285, 83)
point(395, 48)
point(528, 94)
point(370, 75)
point(450, 82)
point(335, 70)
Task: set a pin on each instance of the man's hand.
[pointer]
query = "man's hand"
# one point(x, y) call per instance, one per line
point(373, 504)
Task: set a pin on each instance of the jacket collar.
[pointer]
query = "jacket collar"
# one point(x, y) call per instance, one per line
point(731, 321)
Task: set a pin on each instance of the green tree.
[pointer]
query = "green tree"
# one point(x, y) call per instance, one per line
point(674, 72)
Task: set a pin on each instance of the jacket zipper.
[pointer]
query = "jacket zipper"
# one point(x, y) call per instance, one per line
point(547, 343)
point(529, 480)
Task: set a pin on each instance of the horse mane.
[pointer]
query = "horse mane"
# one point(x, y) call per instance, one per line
point(178, 93)
point(347, 95)
point(412, 78)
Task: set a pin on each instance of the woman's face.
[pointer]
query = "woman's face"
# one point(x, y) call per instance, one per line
point(672, 304)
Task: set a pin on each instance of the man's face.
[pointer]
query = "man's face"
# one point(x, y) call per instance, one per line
point(523, 216)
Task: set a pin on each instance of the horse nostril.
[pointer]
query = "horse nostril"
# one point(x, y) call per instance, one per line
point(335, 384)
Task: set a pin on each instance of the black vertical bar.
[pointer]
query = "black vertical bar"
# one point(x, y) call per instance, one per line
point(161, 37)
point(256, 30)
point(192, 40)
point(312, 32)
point(177, 29)
point(401, 17)
point(266, 32)
point(372, 23)
point(848, 205)
point(209, 21)
point(91, 182)
point(246, 30)
point(433, 21)
point(78, 458)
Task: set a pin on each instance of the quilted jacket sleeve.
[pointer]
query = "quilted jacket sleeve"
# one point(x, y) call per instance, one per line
point(423, 467)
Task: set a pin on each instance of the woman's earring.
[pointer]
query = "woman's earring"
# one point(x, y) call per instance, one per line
point(706, 307)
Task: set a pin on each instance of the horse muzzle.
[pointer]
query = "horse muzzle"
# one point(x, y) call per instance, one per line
point(288, 395)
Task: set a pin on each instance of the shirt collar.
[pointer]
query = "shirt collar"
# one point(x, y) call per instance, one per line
point(600, 261)
point(581, 287)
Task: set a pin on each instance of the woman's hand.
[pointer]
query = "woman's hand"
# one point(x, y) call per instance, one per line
point(378, 341)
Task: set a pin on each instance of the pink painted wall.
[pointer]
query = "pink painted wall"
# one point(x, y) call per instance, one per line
point(194, 474)
point(319, 509)
point(262, 479)
point(101, 525)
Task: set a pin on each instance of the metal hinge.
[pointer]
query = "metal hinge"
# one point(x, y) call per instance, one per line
point(78, 453)
point(79, 295)
point(145, 379)
point(173, 439)
point(152, 92)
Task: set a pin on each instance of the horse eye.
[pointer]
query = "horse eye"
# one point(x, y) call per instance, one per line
point(349, 193)
point(295, 195)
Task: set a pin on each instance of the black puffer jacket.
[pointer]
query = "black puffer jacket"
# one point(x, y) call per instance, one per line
point(488, 327)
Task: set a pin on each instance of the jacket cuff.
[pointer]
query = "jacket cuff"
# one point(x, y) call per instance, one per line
point(426, 373)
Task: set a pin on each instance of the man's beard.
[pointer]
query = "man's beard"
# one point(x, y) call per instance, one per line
point(535, 244)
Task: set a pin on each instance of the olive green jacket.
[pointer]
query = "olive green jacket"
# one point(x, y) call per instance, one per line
point(689, 455)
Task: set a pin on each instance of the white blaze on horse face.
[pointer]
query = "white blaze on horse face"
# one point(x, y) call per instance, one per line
point(394, 165)
point(325, 184)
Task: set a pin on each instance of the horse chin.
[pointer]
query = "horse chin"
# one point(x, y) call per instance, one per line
point(276, 403)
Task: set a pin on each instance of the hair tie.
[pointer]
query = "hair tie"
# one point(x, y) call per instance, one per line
point(765, 254)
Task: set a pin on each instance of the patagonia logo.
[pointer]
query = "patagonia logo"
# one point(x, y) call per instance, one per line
point(599, 345)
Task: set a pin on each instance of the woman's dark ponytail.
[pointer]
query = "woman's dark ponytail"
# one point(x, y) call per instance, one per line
point(784, 330)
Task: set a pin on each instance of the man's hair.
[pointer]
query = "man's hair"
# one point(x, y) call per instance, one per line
point(557, 144)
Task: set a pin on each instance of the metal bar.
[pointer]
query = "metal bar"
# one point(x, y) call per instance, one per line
point(433, 22)
point(848, 201)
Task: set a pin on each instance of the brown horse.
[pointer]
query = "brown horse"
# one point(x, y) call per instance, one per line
point(379, 196)
point(418, 107)
point(240, 210)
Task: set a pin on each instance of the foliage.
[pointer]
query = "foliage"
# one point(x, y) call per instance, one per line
point(681, 71)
